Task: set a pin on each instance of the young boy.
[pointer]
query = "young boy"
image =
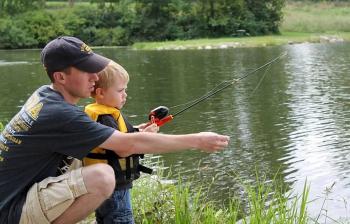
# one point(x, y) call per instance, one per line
point(110, 97)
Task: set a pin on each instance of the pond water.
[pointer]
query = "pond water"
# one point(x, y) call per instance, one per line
point(292, 118)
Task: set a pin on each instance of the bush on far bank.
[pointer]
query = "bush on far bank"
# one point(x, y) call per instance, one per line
point(126, 21)
point(34, 29)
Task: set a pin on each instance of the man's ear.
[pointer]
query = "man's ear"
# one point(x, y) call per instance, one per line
point(59, 77)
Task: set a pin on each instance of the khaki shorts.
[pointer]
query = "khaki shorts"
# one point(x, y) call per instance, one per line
point(49, 198)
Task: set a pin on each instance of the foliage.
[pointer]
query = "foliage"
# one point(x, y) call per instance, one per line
point(267, 16)
point(30, 29)
point(13, 7)
point(122, 22)
point(13, 36)
point(154, 20)
point(220, 17)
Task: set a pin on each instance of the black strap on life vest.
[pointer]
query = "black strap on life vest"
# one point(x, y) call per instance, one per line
point(141, 168)
point(92, 155)
point(144, 169)
point(130, 173)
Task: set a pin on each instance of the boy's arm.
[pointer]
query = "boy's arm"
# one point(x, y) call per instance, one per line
point(125, 144)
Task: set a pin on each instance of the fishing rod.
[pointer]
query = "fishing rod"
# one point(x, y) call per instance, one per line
point(160, 115)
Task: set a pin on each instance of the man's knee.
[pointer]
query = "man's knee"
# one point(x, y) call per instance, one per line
point(99, 179)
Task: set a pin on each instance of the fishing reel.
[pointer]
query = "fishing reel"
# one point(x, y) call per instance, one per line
point(158, 113)
point(159, 116)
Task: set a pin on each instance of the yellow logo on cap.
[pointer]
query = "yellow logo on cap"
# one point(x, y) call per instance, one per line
point(85, 48)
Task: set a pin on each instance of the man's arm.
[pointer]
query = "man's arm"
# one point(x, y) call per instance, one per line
point(125, 144)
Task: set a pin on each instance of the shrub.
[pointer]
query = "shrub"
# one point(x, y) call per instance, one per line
point(12, 35)
point(29, 30)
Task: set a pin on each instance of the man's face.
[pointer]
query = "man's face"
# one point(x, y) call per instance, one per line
point(79, 84)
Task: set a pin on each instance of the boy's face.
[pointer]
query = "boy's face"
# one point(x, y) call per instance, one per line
point(114, 96)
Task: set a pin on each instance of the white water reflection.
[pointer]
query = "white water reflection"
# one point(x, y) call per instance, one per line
point(316, 138)
point(9, 63)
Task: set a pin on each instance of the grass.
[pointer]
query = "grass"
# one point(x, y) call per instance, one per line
point(323, 17)
point(259, 41)
point(156, 200)
point(181, 203)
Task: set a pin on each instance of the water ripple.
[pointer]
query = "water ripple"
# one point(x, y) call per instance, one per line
point(10, 63)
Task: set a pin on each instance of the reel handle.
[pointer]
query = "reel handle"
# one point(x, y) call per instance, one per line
point(159, 116)
point(161, 122)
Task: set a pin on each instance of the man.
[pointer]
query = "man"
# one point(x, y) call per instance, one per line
point(50, 127)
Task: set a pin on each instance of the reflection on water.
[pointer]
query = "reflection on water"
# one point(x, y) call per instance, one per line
point(318, 91)
point(7, 63)
point(296, 122)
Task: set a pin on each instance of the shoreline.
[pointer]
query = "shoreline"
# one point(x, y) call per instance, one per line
point(286, 38)
point(238, 42)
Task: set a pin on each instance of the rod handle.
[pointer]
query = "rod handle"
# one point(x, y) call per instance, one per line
point(161, 122)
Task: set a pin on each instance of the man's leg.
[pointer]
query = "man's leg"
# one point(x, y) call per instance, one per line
point(99, 182)
point(68, 198)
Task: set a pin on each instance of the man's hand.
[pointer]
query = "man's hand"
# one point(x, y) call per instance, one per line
point(212, 142)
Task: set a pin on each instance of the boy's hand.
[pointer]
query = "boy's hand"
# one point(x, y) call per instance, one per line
point(151, 128)
point(145, 127)
point(141, 126)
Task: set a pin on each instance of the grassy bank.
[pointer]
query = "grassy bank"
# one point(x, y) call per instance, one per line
point(261, 41)
point(156, 200)
point(303, 22)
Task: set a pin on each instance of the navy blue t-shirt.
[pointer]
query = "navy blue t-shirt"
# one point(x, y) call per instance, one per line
point(36, 140)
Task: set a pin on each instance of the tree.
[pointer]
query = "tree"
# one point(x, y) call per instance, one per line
point(221, 17)
point(267, 15)
point(153, 20)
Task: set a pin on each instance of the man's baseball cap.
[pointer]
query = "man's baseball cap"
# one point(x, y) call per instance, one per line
point(66, 51)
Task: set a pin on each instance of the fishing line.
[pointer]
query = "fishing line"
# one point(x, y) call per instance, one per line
point(260, 81)
point(216, 87)
point(183, 104)
point(226, 84)
point(160, 115)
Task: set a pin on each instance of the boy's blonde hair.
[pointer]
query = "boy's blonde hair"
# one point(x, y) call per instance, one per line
point(108, 76)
